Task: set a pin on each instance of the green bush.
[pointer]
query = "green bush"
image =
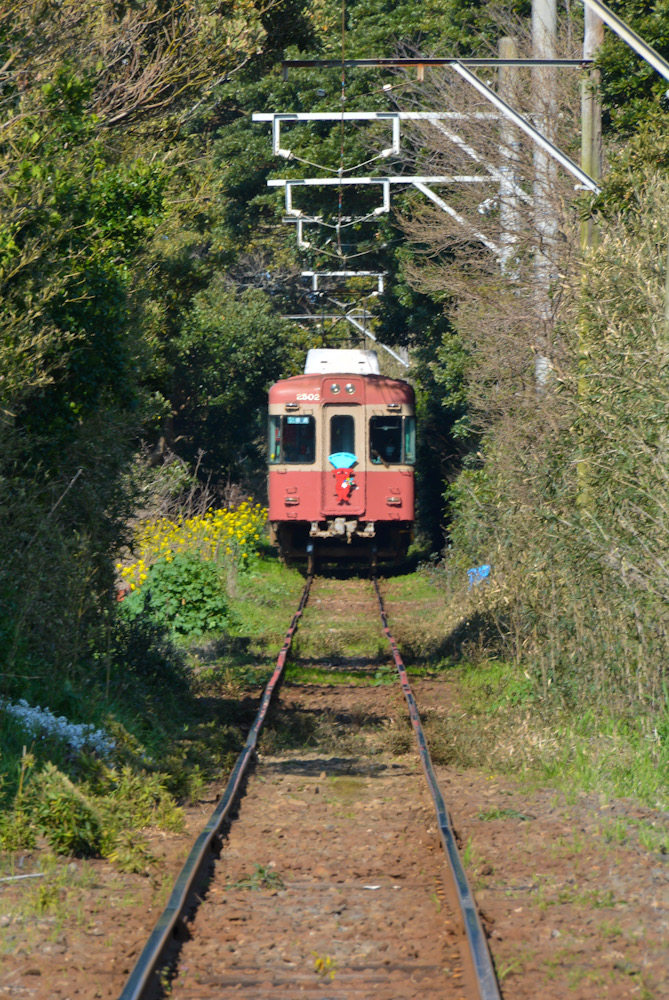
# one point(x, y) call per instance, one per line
point(63, 814)
point(185, 594)
point(140, 800)
point(145, 657)
point(17, 831)
point(100, 817)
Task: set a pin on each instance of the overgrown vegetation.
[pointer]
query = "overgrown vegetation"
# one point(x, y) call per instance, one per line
point(509, 715)
point(144, 280)
point(171, 717)
point(119, 335)
point(562, 372)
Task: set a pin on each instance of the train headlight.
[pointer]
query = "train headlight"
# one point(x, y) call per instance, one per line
point(350, 388)
point(335, 388)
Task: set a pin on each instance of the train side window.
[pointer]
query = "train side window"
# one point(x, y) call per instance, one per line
point(410, 440)
point(342, 433)
point(385, 440)
point(299, 440)
point(274, 440)
point(292, 440)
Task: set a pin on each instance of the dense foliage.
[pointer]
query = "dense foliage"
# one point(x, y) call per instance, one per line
point(144, 279)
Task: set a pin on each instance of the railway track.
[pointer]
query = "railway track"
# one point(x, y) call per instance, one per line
point(371, 901)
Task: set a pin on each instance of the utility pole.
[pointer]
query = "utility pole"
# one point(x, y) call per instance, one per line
point(591, 115)
point(544, 29)
point(591, 162)
point(508, 187)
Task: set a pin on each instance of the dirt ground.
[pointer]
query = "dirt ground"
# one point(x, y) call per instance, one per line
point(330, 884)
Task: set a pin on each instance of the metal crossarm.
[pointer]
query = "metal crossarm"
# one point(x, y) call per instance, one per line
point(288, 184)
point(366, 116)
point(277, 119)
point(630, 36)
point(384, 182)
point(445, 207)
point(522, 123)
point(421, 63)
point(316, 275)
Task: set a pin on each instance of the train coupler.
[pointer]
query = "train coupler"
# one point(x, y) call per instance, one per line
point(341, 527)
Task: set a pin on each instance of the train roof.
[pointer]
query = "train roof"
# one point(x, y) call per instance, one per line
point(369, 389)
point(328, 361)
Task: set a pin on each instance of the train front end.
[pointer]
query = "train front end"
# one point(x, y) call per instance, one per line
point(342, 444)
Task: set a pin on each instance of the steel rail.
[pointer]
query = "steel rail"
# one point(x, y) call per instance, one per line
point(482, 962)
point(142, 977)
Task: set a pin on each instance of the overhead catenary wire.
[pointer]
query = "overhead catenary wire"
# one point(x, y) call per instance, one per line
point(341, 124)
point(336, 170)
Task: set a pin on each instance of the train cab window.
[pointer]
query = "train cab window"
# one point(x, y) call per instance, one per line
point(392, 440)
point(342, 433)
point(292, 440)
point(385, 440)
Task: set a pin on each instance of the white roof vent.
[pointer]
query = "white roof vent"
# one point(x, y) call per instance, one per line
point(325, 361)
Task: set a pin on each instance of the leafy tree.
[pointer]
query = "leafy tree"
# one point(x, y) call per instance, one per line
point(230, 348)
point(633, 92)
point(97, 100)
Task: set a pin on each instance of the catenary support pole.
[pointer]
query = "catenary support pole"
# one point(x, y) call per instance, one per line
point(591, 114)
point(544, 29)
point(666, 297)
point(508, 187)
point(591, 162)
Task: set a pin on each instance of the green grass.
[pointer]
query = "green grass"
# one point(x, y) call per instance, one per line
point(616, 756)
point(299, 674)
point(497, 813)
point(262, 878)
point(412, 587)
point(506, 724)
point(265, 597)
point(344, 788)
point(424, 637)
point(652, 836)
point(41, 907)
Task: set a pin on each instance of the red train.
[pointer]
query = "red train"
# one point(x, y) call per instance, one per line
point(342, 446)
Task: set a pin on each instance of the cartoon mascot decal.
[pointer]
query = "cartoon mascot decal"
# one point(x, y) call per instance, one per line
point(343, 462)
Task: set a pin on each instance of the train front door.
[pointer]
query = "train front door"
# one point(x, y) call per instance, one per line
point(343, 489)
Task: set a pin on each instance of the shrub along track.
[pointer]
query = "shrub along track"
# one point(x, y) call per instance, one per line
point(329, 884)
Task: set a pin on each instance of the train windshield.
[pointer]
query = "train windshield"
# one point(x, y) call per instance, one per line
point(292, 440)
point(342, 433)
point(392, 440)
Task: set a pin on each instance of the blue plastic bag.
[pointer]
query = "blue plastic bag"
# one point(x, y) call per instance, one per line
point(478, 575)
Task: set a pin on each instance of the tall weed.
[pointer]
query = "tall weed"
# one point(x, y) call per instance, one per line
point(568, 498)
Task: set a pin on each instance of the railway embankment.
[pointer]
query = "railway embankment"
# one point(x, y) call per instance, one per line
point(568, 864)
